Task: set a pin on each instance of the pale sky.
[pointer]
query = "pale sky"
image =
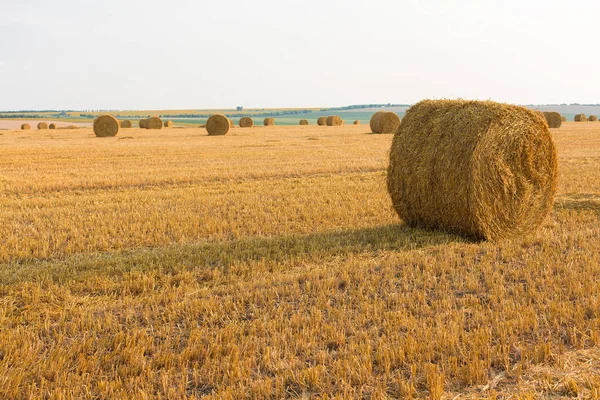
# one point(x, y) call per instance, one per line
point(184, 54)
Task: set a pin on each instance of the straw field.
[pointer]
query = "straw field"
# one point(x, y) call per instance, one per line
point(269, 263)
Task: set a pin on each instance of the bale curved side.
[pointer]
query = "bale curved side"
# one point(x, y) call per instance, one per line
point(303, 122)
point(168, 123)
point(580, 118)
point(142, 123)
point(154, 123)
point(553, 118)
point(106, 126)
point(322, 121)
point(384, 122)
point(217, 124)
point(25, 127)
point(246, 122)
point(42, 125)
point(269, 121)
point(593, 118)
point(481, 169)
point(334, 120)
point(126, 124)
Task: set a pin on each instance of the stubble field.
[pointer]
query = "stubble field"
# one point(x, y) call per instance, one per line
point(268, 263)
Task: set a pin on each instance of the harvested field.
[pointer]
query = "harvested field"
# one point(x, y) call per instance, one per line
point(269, 263)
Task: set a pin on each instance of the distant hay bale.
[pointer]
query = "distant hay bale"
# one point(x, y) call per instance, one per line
point(168, 123)
point(477, 168)
point(42, 125)
point(142, 123)
point(52, 126)
point(563, 118)
point(580, 118)
point(384, 122)
point(357, 122)
point(322, 121)
point(303, 122)
point(246, 122)
point(25, 127)
point(593, 118)
point(231, 123)
point(126, 124)
point(553, 118)
point(269, 121)
point(217, 125)
point(334, 120)
point(106, 126)
point(154, 123)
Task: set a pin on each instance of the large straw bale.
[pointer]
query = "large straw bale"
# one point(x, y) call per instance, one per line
point(269, 122)
point(143, 122)
point(322, 121)
point(303, 122)
point(217, 125)
point(384, 122)
point(482, 169)
point(52, 126)
point(334, 120)
point(106, 125)
point(246, 122)
point(126, 124)
point(154, 123)
point(357, 122)
point(593, 118)
point(553, 118)
point(168, 123)
point(580, 118)
point(42, 125)
point(25, 127)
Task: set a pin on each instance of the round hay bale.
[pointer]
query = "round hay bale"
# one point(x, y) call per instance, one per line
point(52, 126)
point(168, 123)
point(563, 118)
point(269, 121)
point(334, 120)
point(580, 118)
point(384, 122)
point(246, 122)
point(217, 125)
point(231, 123)
point(142, 123)
point(154, 123)
point(126, 124)
point(106, 126)
point(25, 127)
point(553, 118)
point(322, 121)
point(42, 125)
point(478, 168)
point(303, 122)
point(593, 118)
point(357, 122)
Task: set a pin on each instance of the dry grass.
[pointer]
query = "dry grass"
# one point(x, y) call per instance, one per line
point(268, 263)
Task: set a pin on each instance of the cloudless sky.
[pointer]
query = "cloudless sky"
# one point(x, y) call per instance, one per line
point(185, 54)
